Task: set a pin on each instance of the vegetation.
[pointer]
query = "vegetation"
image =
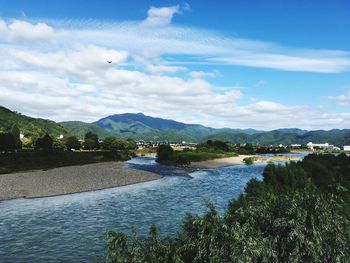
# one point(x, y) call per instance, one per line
point(207, 151)
point(336, 137)
point(37, 160)
point(7, 142)
point(45, 143)
point(248, 160)
point(300, 212)
point(30, 127)
point(114, 143)
point(47, 152)
point(16, 136)
point(79, 129)
point(72, 143)
point(91, 141)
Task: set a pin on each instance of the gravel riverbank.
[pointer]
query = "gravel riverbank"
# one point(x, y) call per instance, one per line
point(70, 179)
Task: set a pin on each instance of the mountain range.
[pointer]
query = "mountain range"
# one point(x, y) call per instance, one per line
point(139, 126)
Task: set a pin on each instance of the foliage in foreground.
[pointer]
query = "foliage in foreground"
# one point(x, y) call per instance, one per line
point(298, 213)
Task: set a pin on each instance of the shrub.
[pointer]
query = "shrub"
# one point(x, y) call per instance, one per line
point(248, 160)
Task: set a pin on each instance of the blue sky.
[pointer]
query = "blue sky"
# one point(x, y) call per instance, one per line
point(239, 64)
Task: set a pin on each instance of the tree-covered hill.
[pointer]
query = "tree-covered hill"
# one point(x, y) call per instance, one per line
point(30, 127)
point(336, 137)
point(140, 126)
point(79, 129)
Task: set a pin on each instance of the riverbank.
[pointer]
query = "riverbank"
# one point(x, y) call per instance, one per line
point(229, 161)
point(70, 179)
point(220, 162)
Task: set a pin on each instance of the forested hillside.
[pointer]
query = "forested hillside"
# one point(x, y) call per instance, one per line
point(30, 127)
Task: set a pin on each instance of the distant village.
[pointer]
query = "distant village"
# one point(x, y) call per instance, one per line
point(187, 145)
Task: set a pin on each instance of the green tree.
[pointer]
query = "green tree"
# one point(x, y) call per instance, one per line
point(44, 143)
point(7, 141)
point(91, 141)
point(16, 135)
point(164, 153)
point(72, 142)
point(113, 143)
point(131, 144)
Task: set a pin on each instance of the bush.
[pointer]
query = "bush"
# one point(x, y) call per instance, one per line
point(248, 160)
point(72, 142)
point(7, 142)
point(45, 143)
point(165, 154)
point(91, 141)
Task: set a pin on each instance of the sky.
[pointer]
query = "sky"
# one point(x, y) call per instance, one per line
point(237, 64)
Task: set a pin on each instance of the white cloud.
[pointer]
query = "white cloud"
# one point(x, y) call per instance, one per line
point(160, 16)
point(19, 30)
point(160, 69)
point(79, 61)
point(203, 74)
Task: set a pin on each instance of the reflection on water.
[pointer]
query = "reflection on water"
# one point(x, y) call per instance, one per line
point(66, 228)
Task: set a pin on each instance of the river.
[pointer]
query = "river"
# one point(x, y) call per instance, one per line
point(67, 228)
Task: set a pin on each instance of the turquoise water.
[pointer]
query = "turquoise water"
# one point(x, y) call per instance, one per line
point(67, 228)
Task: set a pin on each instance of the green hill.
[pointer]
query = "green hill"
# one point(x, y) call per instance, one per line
point(30, 127)
point(140, 126)
point(79, 129)
point(336, 137)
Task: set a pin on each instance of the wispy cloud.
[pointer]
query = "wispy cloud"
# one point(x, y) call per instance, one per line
point(203, 74)
point(342, 99)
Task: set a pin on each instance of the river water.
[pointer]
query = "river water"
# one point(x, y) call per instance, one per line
point(67, 228)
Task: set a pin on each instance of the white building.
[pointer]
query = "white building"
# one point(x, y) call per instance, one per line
point(346, 148)
point(324, 146)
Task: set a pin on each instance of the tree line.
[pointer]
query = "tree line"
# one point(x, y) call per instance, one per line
point(11, 141)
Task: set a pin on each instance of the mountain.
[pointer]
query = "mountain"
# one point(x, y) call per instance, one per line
point(79, 129)
point(140, 126)
point(30, 127)
point(293, 130)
